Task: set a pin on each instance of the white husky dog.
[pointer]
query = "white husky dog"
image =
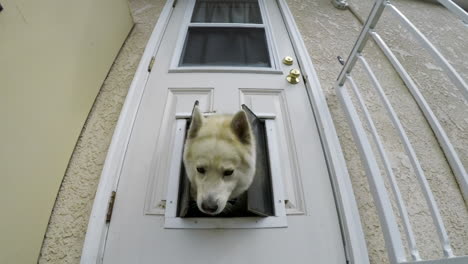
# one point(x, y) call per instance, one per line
point(219, 158)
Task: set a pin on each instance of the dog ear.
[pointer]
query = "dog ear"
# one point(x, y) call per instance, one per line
point(197, 122)
point(241, 127)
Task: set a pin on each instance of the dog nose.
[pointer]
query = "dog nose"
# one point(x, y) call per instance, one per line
point(210, 205)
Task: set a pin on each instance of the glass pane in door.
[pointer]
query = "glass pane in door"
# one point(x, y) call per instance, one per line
point(214, 46)
point(227, 11)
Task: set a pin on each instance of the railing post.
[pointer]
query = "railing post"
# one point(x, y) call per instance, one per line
point(371, 22)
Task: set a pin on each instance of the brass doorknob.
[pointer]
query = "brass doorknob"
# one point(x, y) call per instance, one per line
point(293, 76)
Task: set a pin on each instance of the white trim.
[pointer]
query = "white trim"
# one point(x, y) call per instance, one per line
point(180, 42)
point(156, 192)
point(225, 223)
point(272, 48)
point(262, 70)
point(97, 227)
point(171, 219)
point(227, 25)
point(355, 244)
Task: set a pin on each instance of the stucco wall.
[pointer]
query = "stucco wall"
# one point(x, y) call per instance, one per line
point(328, 33)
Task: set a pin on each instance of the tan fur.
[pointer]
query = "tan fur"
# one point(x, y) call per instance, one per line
point(219, 143)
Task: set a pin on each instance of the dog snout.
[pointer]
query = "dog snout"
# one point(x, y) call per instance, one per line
point(210, 205)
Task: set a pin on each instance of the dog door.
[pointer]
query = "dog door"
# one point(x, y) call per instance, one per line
point(256, 201)
point(261, 206)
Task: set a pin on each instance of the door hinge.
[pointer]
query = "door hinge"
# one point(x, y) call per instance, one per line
point(111, 207)
point(150, 66)
point(174, 3)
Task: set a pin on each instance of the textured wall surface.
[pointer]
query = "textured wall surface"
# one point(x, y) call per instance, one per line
point(327, 32)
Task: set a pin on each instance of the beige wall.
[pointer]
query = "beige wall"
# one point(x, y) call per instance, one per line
point(54, 56)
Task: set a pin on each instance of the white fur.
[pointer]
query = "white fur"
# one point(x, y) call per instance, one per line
point(218, 144)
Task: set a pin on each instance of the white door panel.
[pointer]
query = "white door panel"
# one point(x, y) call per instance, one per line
point(137, 234)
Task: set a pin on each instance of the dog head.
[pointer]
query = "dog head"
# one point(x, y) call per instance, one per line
point(219, 158)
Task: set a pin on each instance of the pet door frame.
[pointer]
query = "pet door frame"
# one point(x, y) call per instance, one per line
point(172, 199)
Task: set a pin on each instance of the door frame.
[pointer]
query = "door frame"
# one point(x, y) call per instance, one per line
point(351, 228)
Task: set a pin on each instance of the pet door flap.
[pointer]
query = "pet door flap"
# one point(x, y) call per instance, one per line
point(184, 204)
point(184, 194)
point(260, 197)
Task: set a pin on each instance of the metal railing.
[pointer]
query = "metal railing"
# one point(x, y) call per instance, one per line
point(391, 232)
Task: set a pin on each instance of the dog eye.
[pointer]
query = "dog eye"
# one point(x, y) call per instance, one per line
point(228, 172)
point(201, 170)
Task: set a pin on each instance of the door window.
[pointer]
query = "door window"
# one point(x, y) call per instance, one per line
point(230, 11)
point(217, 46)
point(225, 34)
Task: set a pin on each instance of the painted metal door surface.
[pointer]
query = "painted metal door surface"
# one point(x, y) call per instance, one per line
point(222, 83)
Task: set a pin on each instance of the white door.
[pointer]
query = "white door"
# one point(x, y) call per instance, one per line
point(224, 54)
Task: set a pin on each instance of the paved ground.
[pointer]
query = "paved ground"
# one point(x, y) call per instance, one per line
point(328, 33)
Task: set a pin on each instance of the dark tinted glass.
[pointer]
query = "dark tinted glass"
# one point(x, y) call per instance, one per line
point(233, 11)
point(225, 47)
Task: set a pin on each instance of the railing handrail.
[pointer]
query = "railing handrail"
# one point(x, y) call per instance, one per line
point(456, 10)
point(380, 193)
